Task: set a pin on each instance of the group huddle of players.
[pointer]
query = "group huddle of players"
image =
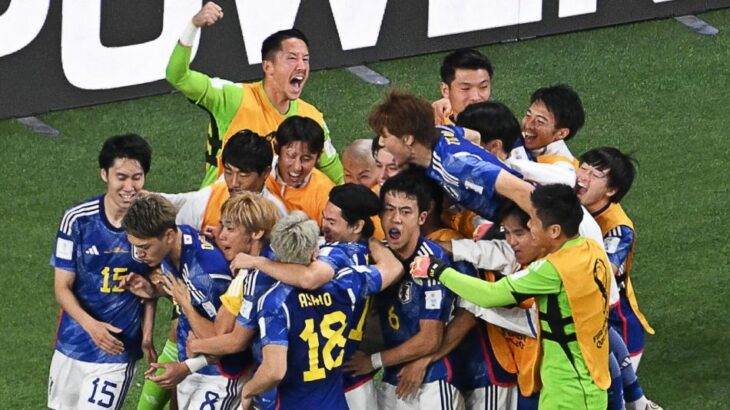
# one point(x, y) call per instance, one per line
point(474, 260)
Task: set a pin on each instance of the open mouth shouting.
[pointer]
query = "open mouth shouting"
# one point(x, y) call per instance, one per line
point(297, 83)
point(394, 234)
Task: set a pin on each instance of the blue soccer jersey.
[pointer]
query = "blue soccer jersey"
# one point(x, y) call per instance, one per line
point(466, 172)
point(100, 256)
point(340, 255)
point(204, 270)
point(406, 302)
point(313, 325)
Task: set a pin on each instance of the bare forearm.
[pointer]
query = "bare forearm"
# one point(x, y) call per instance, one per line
point(420, 345)
point(68, 302)
point(303, 277)
point(148, 321)
point(511, 187)
point(261, 382)
point(202, 327)
point(455, 332)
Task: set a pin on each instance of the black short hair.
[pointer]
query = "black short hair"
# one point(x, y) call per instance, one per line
point(126, 146)
point(492, 120)
point(557, 204)
point(356, 202)
point(272, 43)
point(565, 104)
point(413, 182)
point(303, 129)
point(249, 152)
point(465, 58)
point(509, 208)
point(620, 168)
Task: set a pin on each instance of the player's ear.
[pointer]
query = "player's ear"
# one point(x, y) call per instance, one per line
point(444, 90)
point(409, 139)
point(611, 192)
point(562, 133)
point(104, 174)
point(358, 226)
point(258, 234)
point(268, 67)
point(555, 230)
point(422, 218)
point(494, 146)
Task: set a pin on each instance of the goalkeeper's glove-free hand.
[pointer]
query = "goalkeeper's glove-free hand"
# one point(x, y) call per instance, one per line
point(427, 267)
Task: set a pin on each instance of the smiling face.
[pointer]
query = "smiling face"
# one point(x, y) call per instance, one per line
point(539, 127)
point(592, 187)
point(296, 163)
point(402, 222)
point(238, 181)
point(124, 179)
point(152, 251)
point(335, 228)
point(521, 240)
point(359, 172)
point(468, 87)
point(288, 70)
point(234, 239)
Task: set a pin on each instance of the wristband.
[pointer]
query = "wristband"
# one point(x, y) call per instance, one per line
point(188, 36)
point(196, 363)
point(376, 361)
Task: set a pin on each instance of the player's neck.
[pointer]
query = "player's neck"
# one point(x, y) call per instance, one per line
point(421, 155)
point(114, 214)
point(256, 248)
point(558, 243)
point(598, 206)
point(176, 250)
point(277, 98)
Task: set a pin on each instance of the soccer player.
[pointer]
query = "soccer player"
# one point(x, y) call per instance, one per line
point(296, 323)
point(358, 163)
point(294, 181)
point(466, 78)
point(570, 285)
point(347, 226)
point(100, 333)
point(412, 313)
point(247, 159)
point(604, 177)
point(385, 164)
point(195, 274)
point(260, 106)
point(555, 115)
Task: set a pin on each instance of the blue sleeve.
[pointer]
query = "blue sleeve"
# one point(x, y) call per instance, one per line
point(254, 285)
point(273, 320)
point(436, 300)
point(64, 254)
point(335, 257)
point(618, 244)
point(370, 280)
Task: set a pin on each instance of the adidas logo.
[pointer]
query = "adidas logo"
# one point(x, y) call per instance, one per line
point(92, 251)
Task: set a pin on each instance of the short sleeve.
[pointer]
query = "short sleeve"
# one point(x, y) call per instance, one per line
point(436, 301)
point(618, 243)
point(334, 256)
point(273, 321)
point(67, 239)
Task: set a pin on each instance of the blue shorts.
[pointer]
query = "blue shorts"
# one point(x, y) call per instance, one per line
point(623, 319)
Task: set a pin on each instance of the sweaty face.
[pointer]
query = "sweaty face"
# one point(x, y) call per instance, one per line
point(334, 226)
point(239, 181)
point(401, 222)
point(296, 163)
point(539, 127)
point(468, 87)
point(359, 172)
point(151, 251)
point(289, 69)
point(385, 165)
point(124, 179)
point(520, 240)
point(592, 187)
point(234, 239)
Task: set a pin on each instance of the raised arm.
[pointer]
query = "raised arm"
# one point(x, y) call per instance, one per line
point(389, 266)
point(309, 277)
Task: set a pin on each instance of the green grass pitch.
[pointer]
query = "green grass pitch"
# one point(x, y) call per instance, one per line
point(655, 89)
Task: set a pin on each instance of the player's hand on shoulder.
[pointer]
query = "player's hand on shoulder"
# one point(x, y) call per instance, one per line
point(212, 232)
point(102, 335)
point(208, 15)
point(174, 373)
point(243, 261)
point(441, 110)
point(427, 267)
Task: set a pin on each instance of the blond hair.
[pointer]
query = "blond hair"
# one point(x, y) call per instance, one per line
point(294, 238)
point(251, 211)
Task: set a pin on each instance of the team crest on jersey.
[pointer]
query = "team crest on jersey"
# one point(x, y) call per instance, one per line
point(405, 293)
